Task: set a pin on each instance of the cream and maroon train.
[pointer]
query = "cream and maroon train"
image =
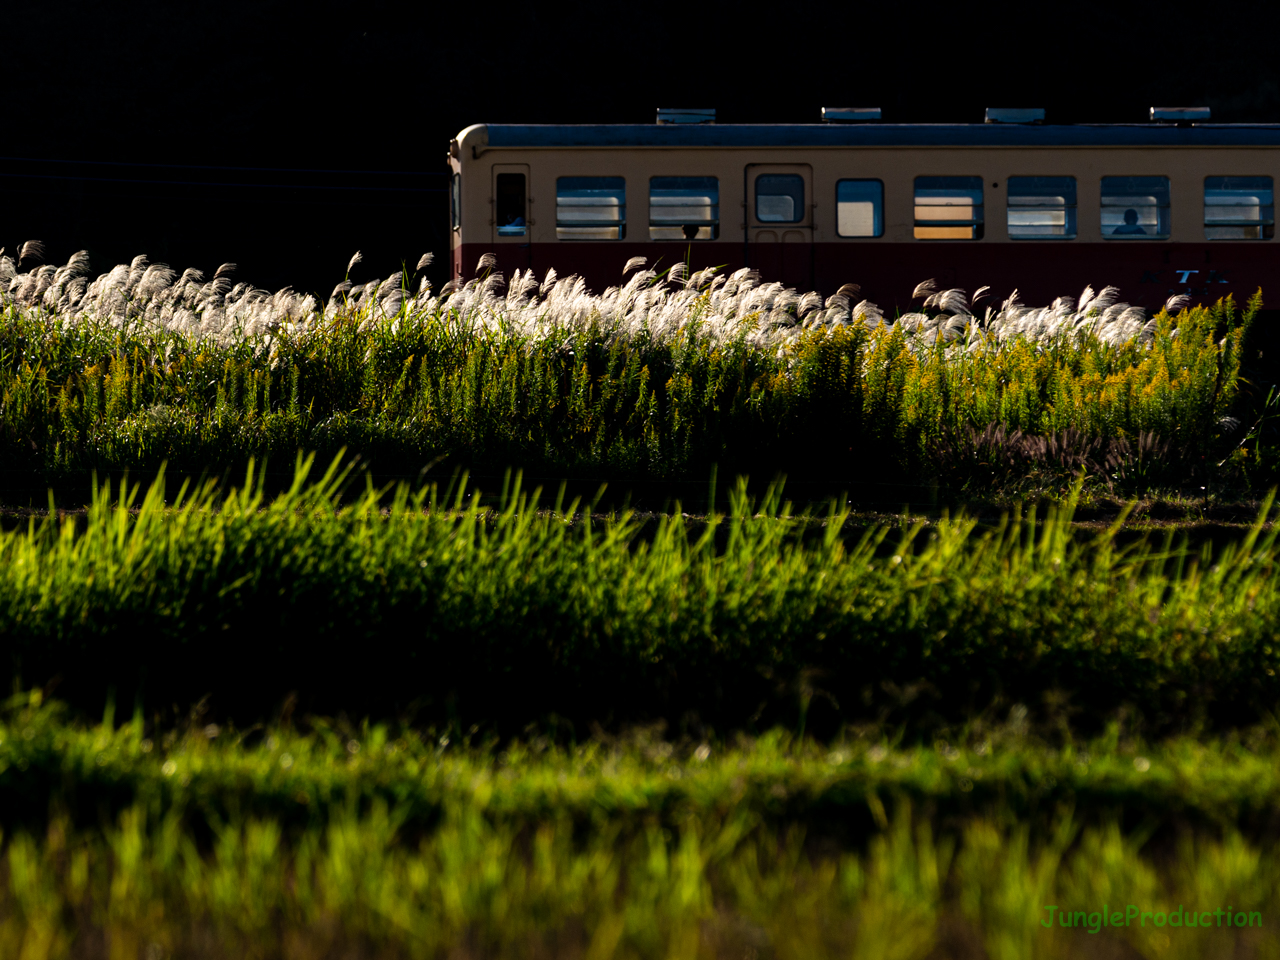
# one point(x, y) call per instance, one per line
point(1170, 206)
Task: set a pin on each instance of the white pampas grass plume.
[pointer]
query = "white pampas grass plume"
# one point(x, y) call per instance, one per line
point(810, 301)
point(391, 303)
point(869, 312)
point(354, 260)
point(157, 277)
point(1175, 303)
point(393, 282)
point(635, 263)
point(952, 301)
point(487, 262)
point(924, 289)
point(1103, 301)
point(78, 265)
point(137, 268)
point(423, 262)
point(769, 315)
point(31, 250)
point(226, 270)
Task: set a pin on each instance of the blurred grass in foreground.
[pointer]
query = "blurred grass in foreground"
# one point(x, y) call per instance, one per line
point(377, 843)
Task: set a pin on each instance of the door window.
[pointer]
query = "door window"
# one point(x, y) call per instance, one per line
point(779, 198)
point(509, 204)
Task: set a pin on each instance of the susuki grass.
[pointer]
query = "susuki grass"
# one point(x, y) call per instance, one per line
point(416, 597)
point(372, 842)
point(659, 378)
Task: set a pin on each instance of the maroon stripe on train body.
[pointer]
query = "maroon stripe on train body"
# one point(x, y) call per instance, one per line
point(1146, 273)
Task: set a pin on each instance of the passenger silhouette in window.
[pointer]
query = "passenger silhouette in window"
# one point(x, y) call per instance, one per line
point(1130, 226)
point(690, 231)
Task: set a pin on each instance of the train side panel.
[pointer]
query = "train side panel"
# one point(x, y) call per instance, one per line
point(887, 267)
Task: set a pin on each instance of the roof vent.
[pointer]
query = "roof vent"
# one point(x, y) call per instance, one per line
point(1180, 114)
point(1015, 114)
point(672, 115)
point(849, 114)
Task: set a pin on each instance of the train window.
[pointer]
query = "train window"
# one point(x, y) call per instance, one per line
point(684, 208)
point(1239, 208)
point(455, 201)
point(509, 205)
point(948, 208)
point(1135, 208)
point(859, 208)
point(1042, 208)
point(779, 198)
point(591, 208)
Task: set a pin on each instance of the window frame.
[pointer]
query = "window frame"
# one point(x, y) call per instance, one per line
point(1266, 226)
point(877, 214)
point(620, 224)
point(1069, 210)
point(976, 222)
point(1166, 235)
point(713, 224)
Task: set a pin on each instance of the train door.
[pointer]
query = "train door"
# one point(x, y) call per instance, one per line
point(510, 220)
point(780, 222)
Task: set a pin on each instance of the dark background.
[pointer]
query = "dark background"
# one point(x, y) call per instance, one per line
point(284, 136)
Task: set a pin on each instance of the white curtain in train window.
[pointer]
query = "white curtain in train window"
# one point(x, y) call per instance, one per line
point(1238, 208)
point(1135, 208)
point(591, 208)
point(948, 208)
point(859, 208)
point(1042, 208)
point(684, 208)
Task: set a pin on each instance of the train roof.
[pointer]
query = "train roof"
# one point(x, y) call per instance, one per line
point(872, 135)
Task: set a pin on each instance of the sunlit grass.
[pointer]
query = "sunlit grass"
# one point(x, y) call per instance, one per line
point(397, 597)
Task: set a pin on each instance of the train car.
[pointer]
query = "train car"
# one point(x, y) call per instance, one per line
point(1174, 206)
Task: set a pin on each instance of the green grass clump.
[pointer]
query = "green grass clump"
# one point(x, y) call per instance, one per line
point(401, 600)
point(843, 405)
point(375, 842)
